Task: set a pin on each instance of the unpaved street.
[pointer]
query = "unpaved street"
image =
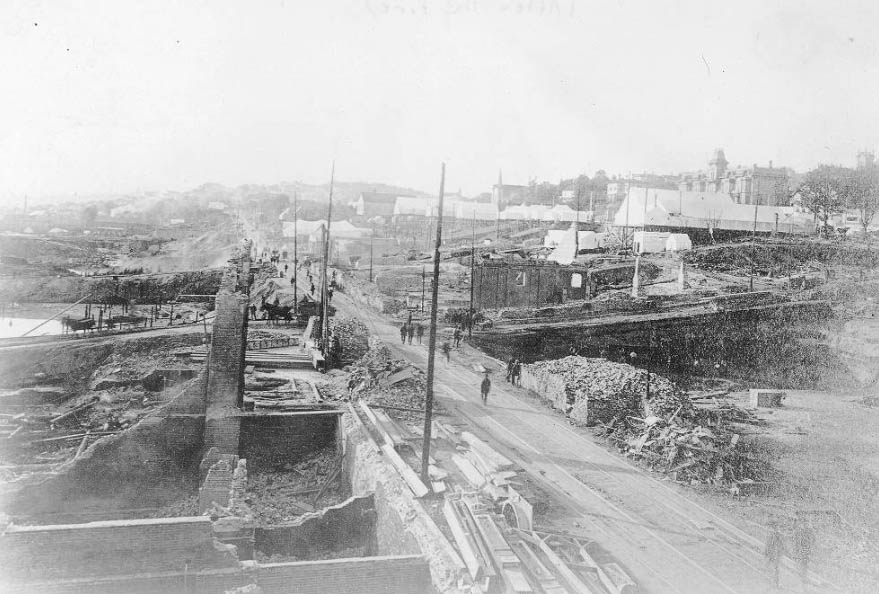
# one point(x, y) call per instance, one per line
point(667, 542)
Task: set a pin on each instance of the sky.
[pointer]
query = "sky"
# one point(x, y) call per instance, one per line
point(124, 97)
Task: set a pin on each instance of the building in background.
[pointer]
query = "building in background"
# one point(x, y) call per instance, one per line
point(768, 186)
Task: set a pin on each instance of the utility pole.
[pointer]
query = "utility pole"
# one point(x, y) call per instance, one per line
point(472, 276)
point(325, 321)
point(431, 345)
point(371, 239)
point(423, 272)
point(753, 238)
point(295, 251)
point(577, 228)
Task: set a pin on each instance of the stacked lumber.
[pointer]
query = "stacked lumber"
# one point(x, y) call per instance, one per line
point(592, 390)
point(505, 559)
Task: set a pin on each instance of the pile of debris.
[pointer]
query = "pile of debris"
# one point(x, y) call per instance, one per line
point(593, 390)
point(353, 337)
point(698, 446)
point(380, 379)
point(286, 494)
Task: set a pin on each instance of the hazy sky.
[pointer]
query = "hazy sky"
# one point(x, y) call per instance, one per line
point(118, 96)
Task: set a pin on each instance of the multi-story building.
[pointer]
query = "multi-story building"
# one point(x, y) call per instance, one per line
point(768, 186)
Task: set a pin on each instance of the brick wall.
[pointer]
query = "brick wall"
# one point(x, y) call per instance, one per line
point(269, 441)
point(371, 575)
point(110, 548)
point(149, 465)
point(317, 535)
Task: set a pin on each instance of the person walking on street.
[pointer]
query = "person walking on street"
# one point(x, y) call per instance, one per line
point(411, 331)
point(774, 551)
point(804, 542)
point(517, 372)
point(485, 389)
point(510, 362)
point(457, 337)
point(447, 351)
point(403, 330)
point(419, 332)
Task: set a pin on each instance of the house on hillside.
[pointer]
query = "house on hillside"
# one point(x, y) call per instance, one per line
point(376, 204)
point(768, 186)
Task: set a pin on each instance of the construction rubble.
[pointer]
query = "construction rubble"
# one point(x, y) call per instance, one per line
point(591, 390)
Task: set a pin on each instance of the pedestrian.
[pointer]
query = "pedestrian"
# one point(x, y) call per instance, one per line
point(311, 289)
point(403, 332)
point(485, 389)
point(285, 268)
point(510, 369)
point(774, 551)
point(330, 295)
point(419, 332)
point(804, 542)
point(447, 351)
point(410, 331)
point(517, 372)
point(457, 337)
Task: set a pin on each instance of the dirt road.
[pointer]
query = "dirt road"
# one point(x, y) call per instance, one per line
point(666, 541)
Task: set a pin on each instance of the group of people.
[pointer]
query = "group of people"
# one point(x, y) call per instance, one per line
point(514, 371)
point(411, 330)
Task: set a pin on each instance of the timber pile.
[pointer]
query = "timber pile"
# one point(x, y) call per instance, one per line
point(696, 448)
point(595, 390)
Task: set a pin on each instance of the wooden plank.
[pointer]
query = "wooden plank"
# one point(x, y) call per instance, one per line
point(465, 513)
point(418, 488)
point(498, 547)
point(473, 476)
point(464, 540)
point(390, 427)
point(571, 580)
point(370, 414)
point(602, 575)
point(535, 567)
point(486, 452)
point(516, 581)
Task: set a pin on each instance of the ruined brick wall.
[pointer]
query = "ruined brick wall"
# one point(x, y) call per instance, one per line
point(101, 549)
point(270, 441)
point(317, 535)
point(372, 575)
point(151, 464)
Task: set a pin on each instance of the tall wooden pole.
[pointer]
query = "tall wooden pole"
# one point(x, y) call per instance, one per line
point(431, 344)
point(295, 251)
point(325, 321)
point(577, 228)
point(371, 239)
point(472, 276)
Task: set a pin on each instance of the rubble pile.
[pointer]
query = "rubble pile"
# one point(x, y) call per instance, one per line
point(379, 379)
point(596, 390)
point(296, 489)
point(698, 446)
point(353, 336)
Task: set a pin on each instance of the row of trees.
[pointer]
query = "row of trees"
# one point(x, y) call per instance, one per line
point(830, 189)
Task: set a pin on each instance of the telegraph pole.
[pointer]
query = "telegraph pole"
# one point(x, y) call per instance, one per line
point(325, 321)
point(577, 228)
point(295, 252)
point(431, 345)
point(371, 239)
point(472, 276)
point(423, 272)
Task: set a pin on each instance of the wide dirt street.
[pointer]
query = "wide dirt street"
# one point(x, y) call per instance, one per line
point(667, 542)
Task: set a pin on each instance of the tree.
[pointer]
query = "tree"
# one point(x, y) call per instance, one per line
point(89, 215)
point(865, 194)
point(826, 190)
